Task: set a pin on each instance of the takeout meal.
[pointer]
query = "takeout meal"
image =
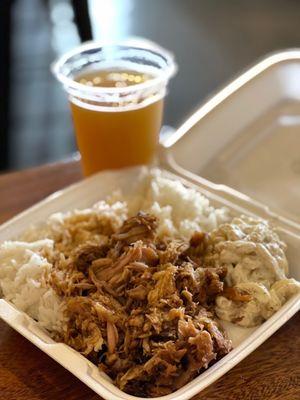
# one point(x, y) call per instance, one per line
point(140, 285)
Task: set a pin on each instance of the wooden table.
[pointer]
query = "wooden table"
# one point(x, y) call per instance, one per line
point(271, 372)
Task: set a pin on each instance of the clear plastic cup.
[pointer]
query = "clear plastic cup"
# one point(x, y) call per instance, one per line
point(116, 126)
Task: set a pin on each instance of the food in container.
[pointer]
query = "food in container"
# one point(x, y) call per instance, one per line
point(136, 283)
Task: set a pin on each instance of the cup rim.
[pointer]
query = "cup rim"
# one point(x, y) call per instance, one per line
point(139, 43)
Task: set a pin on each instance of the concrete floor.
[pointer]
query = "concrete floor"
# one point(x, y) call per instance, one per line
point(213, 40)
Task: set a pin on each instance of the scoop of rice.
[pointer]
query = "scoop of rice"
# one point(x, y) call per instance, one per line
point(180, 210)
point(22, 272)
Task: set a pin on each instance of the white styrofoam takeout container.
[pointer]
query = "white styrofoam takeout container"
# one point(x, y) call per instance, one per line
point(253, 99)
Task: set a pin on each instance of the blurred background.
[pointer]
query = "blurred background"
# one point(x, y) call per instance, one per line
point(213, 40)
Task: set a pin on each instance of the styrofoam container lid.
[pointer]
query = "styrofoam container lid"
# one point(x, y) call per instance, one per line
point(247, 137)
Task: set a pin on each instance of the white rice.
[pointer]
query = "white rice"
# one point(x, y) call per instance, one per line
point(22, 269)
point(180, 212)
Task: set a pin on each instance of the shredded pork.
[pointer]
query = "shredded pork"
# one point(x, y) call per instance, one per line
point(141, 308)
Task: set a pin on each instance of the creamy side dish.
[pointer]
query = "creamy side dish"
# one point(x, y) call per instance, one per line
point(256, 268)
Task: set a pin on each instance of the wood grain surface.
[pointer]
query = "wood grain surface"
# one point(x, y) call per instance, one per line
point(271, 372)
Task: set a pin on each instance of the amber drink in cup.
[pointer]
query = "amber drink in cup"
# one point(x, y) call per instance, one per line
point(116, 95)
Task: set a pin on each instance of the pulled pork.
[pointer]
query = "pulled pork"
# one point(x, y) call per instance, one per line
point(142, 308)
